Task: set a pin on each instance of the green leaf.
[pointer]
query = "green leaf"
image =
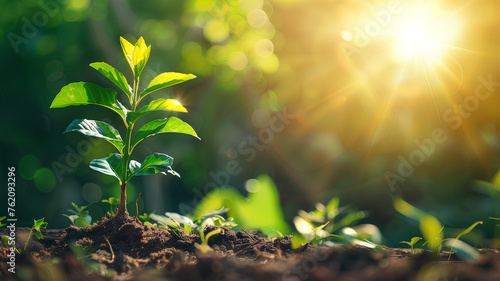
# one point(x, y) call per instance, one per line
point(332, 207)
point(180, 219)
point(97, 129)
point(38, 224)
point(159, 104)
point(261, 210)
point(298, 241)
point(113, 75)
point(83, 93)
point(128, 50)
point(433, 232)
point(414, 240)
point(164, 80)
point(112, 201)
point(111, 165)
point(469, 229)
point(140, 56)
point(169, 125)
point(165, 221)
point(464, 251)
point(79, 209)
point(81, 221)
point(153, 164)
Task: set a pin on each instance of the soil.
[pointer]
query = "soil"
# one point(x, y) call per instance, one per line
point(122, 248)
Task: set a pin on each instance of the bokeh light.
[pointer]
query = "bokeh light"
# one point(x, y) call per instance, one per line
point(45, 180)
point(28, 165)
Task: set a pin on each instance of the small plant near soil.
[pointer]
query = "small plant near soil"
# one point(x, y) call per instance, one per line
point(204, 247)
point(432, 232)
point(37, 225)
point(113, 202)
point(9, 241)
point(260, 209)
point(173, 221)
point(2, 219)
point(120, 165)
point(179, 222)
point(318, 226)
point(80, 217)
point(412, 243)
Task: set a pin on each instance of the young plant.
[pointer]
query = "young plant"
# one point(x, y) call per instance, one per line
point(432, 232)
point(112, 201)
point(80, 217)
point(318, 226)
point(204, 247)
point(120, 165)
point(37, 225)
point(412, 242)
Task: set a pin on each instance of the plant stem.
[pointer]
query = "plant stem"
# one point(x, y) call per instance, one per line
point(122, 210)
point(126, 155)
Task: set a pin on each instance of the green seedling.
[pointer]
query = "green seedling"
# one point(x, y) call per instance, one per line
point(412, 243)
point(260, 210)
point(145, 217)
point(2, 219)
point(37, 225)
point(173, 221)
point(9, 241)
point(432, 232)
point(204, 247)
point(319, 225)
point(461, 248)
point(80, 217)
point(112, 201)
point(120, 165)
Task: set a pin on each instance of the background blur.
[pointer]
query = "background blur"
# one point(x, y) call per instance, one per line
point(359, 99)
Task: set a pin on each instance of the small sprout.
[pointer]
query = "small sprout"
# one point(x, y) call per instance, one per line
point(412, 242)
point(432, 231)
point(319, 225)
point(460, 235)
point(174, 221)
point(204, 247)
point(464, 251)
point(112, 201)
point(37, 225)
point(80, 217)
point(1, 219)
point(11, 242)
point(145, 217)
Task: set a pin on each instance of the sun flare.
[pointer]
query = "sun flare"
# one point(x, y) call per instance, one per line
point(418, 39)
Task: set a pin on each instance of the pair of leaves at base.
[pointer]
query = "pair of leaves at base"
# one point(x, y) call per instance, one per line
point(153, 164)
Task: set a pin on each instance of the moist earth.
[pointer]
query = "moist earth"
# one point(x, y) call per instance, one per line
point(122, 248)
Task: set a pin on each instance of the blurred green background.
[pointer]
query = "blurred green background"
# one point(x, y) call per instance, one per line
point(308, 92)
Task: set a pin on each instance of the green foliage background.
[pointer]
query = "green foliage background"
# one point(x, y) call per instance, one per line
point(254, 60)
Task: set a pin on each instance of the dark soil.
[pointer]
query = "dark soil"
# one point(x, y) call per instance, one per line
point(122, 248)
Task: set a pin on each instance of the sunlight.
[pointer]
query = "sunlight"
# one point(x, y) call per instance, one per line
point(426, 33)
point(419, 39)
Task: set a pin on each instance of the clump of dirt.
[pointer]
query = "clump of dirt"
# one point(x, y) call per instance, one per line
point(122, 248)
